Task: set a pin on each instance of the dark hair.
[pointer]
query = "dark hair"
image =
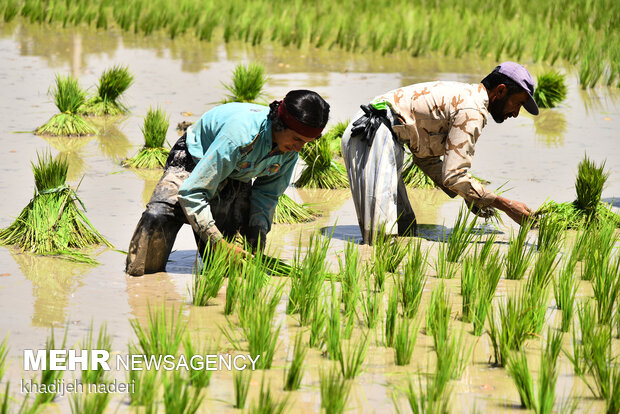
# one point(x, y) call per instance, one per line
point(495, 78)
point(305, 106)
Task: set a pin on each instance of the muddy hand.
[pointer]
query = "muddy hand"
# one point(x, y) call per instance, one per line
point(516, 210)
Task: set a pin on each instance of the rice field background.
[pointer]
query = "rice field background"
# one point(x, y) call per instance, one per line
point(538, 157)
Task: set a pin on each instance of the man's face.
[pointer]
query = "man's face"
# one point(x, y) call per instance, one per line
point(505, 106)
point(289, 140)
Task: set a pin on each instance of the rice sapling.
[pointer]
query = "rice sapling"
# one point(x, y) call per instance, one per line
point(444, 268)
point(164, 333)
point(318, 325)
point(153, 154)
point(288, 211)
point(89, 402)
point(52, 223)
point(241, 381)
point(199, 378)
point(519, 257)
point(321, 170)
point(606, 287)
point(453, 355)
point(551, 89)
point(486, 286)
point(352, 357)
point(438, 315)
point(146, 382)
point(3, 354)
point(589, 185)
point(565, 290)
point(335, 389)
point(414, 177)
point(390, 318)
point(334, 136)
point(413, 280)
point(247, 83)
point(470, 274)
point(104, 341)
point(208, 281)
point(112, 84)
point(405, 339)
point(68, 97)
point(598, 249)
point(294, 373)
point(433, 397)
point(267, 404)
point(233, 288)
point(50, 376)
point(350, 288)
point(550, 233)
point(388, 253)
point(372, 301)
point(332, 333)
point(462, 235)
point(518, 370)
point(179, 395)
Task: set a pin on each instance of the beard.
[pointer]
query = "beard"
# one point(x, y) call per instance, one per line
point(496, 109)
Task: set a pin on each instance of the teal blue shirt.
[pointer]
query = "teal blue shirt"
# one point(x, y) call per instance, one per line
point(234, 141)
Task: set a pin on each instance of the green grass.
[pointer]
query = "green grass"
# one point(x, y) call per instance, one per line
point(104, 341)
point(207, 282)
point(241, 381)
point(53, 223)
point(90, 403)
point(112, 84)
point(321, 170)
point(518, 257)
point(153, 154)
point(247, 83)
point(163, 333)
point(335, 390)
point(404, 341)
point(550, 90)
point(289, 212)
point(294, 373)
point(68, 97)
point(411, 284)
point(179, 396)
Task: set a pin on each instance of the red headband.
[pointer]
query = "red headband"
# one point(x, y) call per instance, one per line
point(295, 125)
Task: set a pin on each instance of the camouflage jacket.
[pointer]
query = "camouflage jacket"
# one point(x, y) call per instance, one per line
point(443, 119)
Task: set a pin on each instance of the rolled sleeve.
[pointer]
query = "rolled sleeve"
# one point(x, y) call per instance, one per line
point(201, 186)
point(459, 151)
point(266, 191)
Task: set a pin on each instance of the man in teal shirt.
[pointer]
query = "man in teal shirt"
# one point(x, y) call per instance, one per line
point(225, 176)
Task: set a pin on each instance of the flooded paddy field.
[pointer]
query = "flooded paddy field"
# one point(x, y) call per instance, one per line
point(537, 157)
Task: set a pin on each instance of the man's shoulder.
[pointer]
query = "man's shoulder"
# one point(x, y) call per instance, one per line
point(238, 122)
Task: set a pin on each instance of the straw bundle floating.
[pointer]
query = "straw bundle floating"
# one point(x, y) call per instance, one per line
point(288, 211)
point(153, 154)
point(52, 223)
point(247, 83)
point(321, 170)
point(112, 84)
point(68, 97)
point(551, 89)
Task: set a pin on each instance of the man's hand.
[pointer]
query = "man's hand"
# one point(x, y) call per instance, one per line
point(235, 250)
point(516, 210)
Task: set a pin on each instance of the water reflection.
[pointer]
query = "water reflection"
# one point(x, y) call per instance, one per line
point(151, 178)
point(550, 127)
point(112, 142)
point(54, 281)
point(72, 149)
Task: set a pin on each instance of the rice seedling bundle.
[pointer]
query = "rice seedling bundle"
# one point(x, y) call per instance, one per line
point(294, 373)
point(334, 136)
point(247, 83)
point(550, 233)
point(112, 84)
point(179, 395)
point(90, 402)
point(104, 341)
point(335, 389)
point(267, 403)
point(68, 97)
point(404, 341)
point(414, 177)
point(164, 333)
point(288, 211)
point(321, 170)
point(153, 154)
point(52, 223)
point(413, 280)
point(550, 90)
point(241, 381)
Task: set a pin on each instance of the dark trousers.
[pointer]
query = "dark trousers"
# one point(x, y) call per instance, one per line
point(157, 229)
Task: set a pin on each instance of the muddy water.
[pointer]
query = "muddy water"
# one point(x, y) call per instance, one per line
point(536, 156)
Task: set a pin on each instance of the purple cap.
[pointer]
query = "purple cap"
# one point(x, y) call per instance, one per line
point(522, 77)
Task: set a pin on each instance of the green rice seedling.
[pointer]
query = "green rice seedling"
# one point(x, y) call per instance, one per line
point(234, 286)
point(49, 376)
point(153, 154)
point(308, 277)
point(462, 235)
point(444, 268)
point(405, 339)
point(589, 185)
point(454, 356)
point(289, 212)
point(388, 252)
point(565, 290)
point(352, 358)
point(518, 257)
point(90, 402)
point(164, 333)
point(550, 90)
point(104, 341)
point(378, 271)
point(68, 97)
point(390, 318)
point(321, 170)
point(332, 333)
point(598, 249)
point(294, 373)
point(334, 136)
point(146, 384)
point(4, 403)
point(550, 233)
point(412, 283)
point(179, 396)
point(209, 280)
point(487, 248)
point(438, 315)
point(335, 391)
point(350, 288)
point(433, 397)
point(486, 286)
point(247, 83)
point(3, 355)
point(52, 223)
point(112, 84)
point(371, 304)
point(414, 177)
point(542, 273)
point(241, 381)
point(11, 9)
point(267, 404)
point(470, 274)
point(318, 324)
point(517, 368)
point(606, 287)
point(200, 377)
